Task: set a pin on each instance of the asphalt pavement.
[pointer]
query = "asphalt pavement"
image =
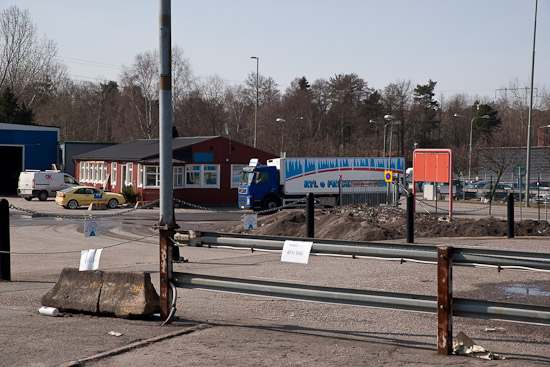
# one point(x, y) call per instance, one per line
point(213, 328)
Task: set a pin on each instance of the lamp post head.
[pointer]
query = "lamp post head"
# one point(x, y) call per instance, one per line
point(389, 117)
point(254, 57)
point(485, 117)
point(372, 121)
point(457, 115)
point(282, 121)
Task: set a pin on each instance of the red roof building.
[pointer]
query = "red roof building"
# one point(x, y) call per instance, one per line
point(206, 169)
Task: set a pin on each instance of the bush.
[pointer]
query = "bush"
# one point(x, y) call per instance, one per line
point(129, 195)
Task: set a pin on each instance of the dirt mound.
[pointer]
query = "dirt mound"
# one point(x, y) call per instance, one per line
point(364, 223)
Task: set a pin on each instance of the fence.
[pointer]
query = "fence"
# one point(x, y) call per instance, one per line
point(444, 256)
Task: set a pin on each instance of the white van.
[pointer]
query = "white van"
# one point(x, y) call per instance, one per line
point(43, 184)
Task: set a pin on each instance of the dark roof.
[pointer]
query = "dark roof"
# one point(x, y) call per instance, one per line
point(139, 149)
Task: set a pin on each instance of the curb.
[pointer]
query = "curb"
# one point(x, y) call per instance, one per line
point(136, 345)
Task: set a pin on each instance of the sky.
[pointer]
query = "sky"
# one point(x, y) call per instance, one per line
point(477, 47)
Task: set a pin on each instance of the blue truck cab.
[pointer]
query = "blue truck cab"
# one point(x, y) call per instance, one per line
point(259, 188)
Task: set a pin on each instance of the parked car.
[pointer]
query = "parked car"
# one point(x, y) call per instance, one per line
point(42, 184)
point(73, 197)
point(501, 191)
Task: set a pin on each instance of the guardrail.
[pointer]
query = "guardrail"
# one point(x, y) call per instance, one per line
point(444, 256)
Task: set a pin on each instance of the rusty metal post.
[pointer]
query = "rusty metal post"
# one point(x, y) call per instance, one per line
point(410, 218)
point(444, 299)
point(166, 248)
point(5, 258)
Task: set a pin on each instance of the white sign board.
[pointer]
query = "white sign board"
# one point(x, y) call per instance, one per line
point(91, 228)
point(296, 251)
point(89, 259)
point(250, 221)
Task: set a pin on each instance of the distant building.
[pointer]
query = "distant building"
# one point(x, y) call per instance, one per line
point(540, 163)
point(206, 169)
point(25, 147)
point(69, 149)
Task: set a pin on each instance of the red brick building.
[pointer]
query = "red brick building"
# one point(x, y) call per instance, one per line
point(207, 169)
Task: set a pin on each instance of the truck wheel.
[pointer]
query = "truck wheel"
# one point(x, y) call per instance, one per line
point(43, 196)
point(28, 198)
point(271, 203)
point(72, 204)
point(112, 204)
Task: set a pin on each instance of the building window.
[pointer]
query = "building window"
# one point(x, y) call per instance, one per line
point(81, 175)
point(192, 175)
point(129, 174)
point(152, 176)
point(140, 176)
point(236, 174)
point(210, 175)
point(113, 173)
point(178, 176)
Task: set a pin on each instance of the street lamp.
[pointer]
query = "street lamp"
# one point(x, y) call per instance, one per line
point(471, 136)
point(282, 122)
point(385, 125)
point(256, 110)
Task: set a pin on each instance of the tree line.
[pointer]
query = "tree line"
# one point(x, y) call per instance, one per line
point(338, 116)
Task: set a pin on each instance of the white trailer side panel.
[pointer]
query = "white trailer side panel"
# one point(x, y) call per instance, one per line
point(321, 175)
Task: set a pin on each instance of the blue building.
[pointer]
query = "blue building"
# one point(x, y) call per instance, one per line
point(25, 147)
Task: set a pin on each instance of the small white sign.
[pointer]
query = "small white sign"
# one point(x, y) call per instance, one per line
point(89, 259)
point(91, 228)
point(296, 251)
point(250, 221)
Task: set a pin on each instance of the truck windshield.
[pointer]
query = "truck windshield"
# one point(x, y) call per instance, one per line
point(247, 178)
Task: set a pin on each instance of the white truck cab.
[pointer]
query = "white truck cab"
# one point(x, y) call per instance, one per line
point(43, 184)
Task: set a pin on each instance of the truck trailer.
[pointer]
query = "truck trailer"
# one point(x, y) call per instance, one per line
point(284, 180)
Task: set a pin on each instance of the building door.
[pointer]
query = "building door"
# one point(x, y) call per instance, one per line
point(12, 165)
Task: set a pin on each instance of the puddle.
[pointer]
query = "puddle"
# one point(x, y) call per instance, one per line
point(525, 290)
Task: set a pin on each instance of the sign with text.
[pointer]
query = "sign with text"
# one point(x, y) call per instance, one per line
point(296, 251)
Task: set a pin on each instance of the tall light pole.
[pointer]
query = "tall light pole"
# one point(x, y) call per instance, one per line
point(471, 141)
point(528, 173)
point(385, 125)
point(282, 122)
point(391, 122)
point(256, 110)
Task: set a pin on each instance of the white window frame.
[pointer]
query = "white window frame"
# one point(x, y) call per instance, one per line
point(113, 173)
point(151, 170)
point(205, 172)
point(140, 175)
point(129, 174)
point(178, 173)
point(81, 175)
point(236, 171)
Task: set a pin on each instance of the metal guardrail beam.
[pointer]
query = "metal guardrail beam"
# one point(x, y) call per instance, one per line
point(356, 297)
point(302, 292)
point(461, 256)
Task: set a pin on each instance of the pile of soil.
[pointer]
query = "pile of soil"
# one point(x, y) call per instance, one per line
point(368, 223)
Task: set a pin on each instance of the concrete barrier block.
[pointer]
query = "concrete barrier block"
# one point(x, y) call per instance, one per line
point(125, 294)
point(75, 291)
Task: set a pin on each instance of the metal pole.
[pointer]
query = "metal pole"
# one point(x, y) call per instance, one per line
point(528, 173)
point(389, 163)
point(444, 300)
point(256, 109)
point(470, 153)
point(410, 218)
point(5, 259)
point(310, 215)
point(510, 215)
point(166, 220)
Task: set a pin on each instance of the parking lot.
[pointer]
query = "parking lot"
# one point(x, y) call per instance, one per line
point(215, 328)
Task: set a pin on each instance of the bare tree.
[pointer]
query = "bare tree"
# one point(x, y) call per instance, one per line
point(26, 62)
point(140, 87)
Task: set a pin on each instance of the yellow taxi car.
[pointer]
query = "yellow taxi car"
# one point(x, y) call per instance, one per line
point(73, 197)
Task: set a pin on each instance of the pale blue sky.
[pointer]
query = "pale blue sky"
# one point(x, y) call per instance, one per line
point(466, 46)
